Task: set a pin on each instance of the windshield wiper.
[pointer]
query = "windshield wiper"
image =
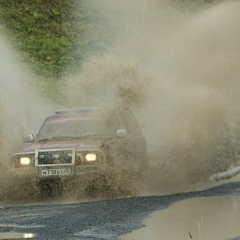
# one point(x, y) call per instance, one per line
point(55, 138)
point(94, 135)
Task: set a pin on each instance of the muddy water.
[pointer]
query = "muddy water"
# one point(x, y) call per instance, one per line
point(200, 218)
point(178, 71)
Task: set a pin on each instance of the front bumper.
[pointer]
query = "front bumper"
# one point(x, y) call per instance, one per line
point(55, 163)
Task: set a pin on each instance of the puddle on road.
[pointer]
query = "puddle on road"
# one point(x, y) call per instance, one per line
point(199, 219)
point(15, 235)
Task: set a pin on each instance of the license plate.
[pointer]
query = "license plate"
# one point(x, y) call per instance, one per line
point(56, 172)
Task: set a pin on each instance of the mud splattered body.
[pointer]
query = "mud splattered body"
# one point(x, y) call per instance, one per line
point(84, 145)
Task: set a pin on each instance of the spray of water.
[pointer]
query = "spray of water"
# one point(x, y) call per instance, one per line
point(179, 72)
point(22, 109)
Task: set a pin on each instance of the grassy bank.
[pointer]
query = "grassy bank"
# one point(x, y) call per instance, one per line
point(54, 37)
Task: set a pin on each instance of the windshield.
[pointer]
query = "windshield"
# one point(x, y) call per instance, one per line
point(75, 128)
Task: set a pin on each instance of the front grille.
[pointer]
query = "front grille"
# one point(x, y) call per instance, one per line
point(56, 157)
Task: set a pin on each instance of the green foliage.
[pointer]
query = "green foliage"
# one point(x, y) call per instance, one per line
point(50, 34)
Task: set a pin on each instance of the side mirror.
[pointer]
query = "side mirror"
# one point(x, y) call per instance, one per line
point(28, 138)
point(121, 133)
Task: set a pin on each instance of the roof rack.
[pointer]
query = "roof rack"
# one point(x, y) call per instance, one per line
point(72, 110)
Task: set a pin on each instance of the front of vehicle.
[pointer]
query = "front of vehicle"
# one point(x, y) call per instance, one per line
point(67, 145)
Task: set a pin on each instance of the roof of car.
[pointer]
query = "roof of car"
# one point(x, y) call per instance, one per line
point(72, 113)
point(84, 112)
point(77, 110)
point(76, 113)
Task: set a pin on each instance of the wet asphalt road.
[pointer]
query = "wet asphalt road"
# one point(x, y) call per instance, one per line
point(108, 219)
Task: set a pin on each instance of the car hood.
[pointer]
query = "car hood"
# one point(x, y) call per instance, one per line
point(82, 143)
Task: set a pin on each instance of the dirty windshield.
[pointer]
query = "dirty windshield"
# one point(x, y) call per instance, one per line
point(60, 128)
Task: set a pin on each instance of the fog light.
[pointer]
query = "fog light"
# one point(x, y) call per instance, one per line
point(91, 157)
point(25, 161)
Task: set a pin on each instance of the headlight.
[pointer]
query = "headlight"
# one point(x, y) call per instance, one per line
point(91, 157)
point(25, 161)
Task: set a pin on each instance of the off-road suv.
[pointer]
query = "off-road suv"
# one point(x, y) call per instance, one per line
point(76, 141)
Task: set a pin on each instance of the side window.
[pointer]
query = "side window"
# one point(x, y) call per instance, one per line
point(132, 123)
point(115, 121)
point(112, 121)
